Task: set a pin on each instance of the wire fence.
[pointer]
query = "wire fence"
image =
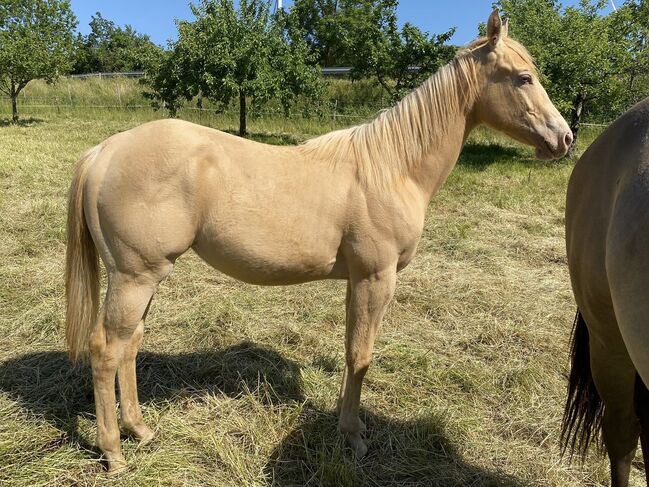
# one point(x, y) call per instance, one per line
point(127, 97)
point(326, 72)
point(318, 113)
point(114, 96)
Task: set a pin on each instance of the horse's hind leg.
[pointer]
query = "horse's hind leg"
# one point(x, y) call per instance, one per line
point(126, 301)
point(614, 378)
point(131, 414)
point(641, 403)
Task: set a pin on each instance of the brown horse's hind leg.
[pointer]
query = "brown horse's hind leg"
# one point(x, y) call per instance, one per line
point(368, 300)
point(124, 308)
point(641, 405)
point(614, 376)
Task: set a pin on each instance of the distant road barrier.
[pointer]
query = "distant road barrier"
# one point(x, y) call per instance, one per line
point(127, 74)
point(327, 72)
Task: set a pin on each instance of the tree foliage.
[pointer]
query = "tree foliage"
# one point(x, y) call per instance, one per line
point(110, 48)
point(36, 41)
point(400, 59)
point(228, 53)
point(365, 35)
point(630, 28)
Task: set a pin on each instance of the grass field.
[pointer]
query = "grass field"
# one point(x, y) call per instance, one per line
point(240, 382)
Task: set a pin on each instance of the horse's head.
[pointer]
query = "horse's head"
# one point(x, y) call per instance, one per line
point(512, 99)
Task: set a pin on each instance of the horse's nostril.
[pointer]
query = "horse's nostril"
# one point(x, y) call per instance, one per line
point(568, 138)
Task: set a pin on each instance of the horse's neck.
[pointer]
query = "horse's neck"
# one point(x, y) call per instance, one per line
point(441, 157)
point(436, 120)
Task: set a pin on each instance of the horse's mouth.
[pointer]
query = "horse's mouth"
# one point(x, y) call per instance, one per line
point(547, 152)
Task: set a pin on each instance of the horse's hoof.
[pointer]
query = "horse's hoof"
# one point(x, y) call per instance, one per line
point(145, 435)
point(116, 467)
point(142, 433)
point(357, 444)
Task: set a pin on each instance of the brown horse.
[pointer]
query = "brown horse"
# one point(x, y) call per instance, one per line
point(348, 205)
point(607, 224)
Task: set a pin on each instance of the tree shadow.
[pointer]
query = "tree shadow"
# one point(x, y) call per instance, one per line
point(481, 156)
point(47, 385)
point(401, 453)
point(22, 122)
point(271, 138)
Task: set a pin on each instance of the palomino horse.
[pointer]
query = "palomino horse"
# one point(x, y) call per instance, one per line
point(607, 223)
point(347, 205)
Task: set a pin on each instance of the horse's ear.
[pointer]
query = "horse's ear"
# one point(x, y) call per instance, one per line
point(505, 29)
point(494, 28)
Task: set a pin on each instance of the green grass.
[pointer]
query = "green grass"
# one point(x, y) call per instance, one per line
point(240, 382)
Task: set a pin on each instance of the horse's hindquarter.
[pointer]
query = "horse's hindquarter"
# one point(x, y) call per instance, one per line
point(607, 210)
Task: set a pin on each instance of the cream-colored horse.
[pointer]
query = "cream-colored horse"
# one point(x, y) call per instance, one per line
point(607, 226)
point(348, 205)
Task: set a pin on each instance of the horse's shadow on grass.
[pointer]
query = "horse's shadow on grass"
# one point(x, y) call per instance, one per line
point(413, 452)
point(401, 453)
point(47, 385)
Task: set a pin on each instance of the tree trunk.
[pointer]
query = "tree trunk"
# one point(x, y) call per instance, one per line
point(242, 114)
point(577, 108)
point(14, 103)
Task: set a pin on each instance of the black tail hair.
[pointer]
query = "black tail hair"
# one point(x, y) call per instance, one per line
point(582, 416)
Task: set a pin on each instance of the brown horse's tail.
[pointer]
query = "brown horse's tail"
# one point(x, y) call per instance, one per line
point(582, 416)
point(81, 267)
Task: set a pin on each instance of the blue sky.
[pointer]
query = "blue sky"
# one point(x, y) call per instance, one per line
point(156, 17)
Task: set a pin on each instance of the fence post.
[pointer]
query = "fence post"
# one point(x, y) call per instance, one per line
point(335, 108)
point(69, 93)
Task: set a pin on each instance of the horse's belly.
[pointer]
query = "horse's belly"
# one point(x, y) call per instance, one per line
point(257, 258)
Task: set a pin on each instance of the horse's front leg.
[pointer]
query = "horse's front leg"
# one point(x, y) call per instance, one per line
point(368, 297)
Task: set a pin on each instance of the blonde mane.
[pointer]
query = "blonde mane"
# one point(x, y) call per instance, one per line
point(398, 138)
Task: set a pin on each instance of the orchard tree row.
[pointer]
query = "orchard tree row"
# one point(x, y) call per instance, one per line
point(593, 64)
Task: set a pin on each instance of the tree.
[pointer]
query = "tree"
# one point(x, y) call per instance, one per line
point(399, 59)
point(110, 48)
point(169, 77)
point(322, 22)
point(364, 34)
point(36, 41)
point(574, 49)
point(228, 54)
point(630, 27)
